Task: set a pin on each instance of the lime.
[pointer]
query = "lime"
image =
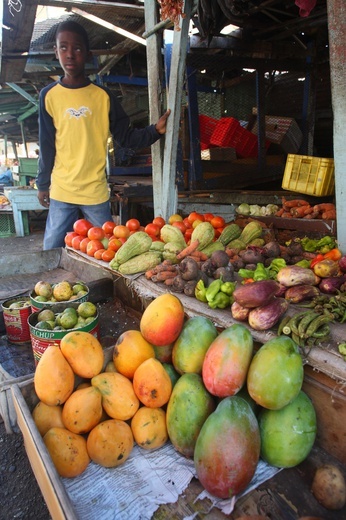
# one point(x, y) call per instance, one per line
point(87, 309)
point(51, 323)
point(17, 305)
point(57, 318)
point(68, 320)
point(46, 315)
point(89, 320)
point(41, 299)
point(81, 321)
point(78, 287)
point(44, 325)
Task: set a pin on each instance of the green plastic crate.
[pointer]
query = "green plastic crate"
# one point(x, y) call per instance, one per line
point(7, 228)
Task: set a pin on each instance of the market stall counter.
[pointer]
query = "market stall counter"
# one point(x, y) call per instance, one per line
point(287, 493)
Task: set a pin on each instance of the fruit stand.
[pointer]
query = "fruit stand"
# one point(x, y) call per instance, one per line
point(287, 492)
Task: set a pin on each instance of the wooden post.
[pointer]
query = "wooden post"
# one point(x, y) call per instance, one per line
point(155, 73)
point(337, 51)
point(176, 81)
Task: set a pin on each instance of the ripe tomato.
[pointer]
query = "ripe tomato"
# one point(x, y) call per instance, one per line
point(76, 241)
point(188, 233)
point(174, 218)
point(81, 226)
point(93, 246)
point(114, 244)
point(187, 223)
point(133, 224)
point(122, 240)
point(159, 221)
point(98, 254)
point(180, 225)
point(217, 222)
point(83, 244)
point(121, 231)
point(218, 232)
point(69, 236)
point(95, 233)
point(152, 230)
point(208, 217)
point(108, 255)
point(194, 215)
point(108, 227)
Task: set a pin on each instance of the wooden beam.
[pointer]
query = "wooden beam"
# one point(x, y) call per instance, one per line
point(15, 34)
point(176, 81)
point(155, 73)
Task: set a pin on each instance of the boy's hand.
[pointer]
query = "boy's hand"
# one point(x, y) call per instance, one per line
point(43, 198)
point(161, 124)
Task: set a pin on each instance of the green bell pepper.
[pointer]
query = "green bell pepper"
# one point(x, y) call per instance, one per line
point(200, 291)
point(213, 289)
point(220, 301)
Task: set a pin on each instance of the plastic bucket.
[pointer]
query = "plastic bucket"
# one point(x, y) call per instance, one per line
point(37, 305)
point(16, 320)
point(41, 339)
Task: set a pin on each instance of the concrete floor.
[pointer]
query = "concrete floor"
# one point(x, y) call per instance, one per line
point(16, 245)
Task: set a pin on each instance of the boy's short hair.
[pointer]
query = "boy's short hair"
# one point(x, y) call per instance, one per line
point(75, 27)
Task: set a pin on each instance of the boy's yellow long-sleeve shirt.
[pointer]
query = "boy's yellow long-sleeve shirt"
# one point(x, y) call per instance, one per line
point(74, 126)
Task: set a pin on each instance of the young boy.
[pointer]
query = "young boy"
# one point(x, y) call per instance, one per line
point(76, 117)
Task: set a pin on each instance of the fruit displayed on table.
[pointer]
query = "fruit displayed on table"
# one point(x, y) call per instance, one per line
point(69, 318)
point(196, 400)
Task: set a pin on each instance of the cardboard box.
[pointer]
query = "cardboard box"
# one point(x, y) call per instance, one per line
point(283, 132)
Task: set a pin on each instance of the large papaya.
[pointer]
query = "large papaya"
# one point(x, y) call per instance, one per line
point(228, 448)
point(276, 373)
point(288, 434)
point(227, 361)
point(188, 407)
point(162, 320)
point(192, 344)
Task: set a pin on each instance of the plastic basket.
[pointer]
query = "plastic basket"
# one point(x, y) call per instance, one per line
point(226, 133)
point(206, 128)
point(7, 227)
point(247, 143)
point(310, 175)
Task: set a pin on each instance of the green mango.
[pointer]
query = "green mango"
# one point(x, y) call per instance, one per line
point(276, 373)
point(288, 434)
point(187, 409)
point(192, 344)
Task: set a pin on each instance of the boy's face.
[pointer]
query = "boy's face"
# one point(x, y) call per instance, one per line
point(72, 54)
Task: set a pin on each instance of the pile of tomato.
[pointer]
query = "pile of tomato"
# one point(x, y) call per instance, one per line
point(103, 242)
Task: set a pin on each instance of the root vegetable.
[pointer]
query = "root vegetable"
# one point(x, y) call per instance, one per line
point(188, 268)
point(220, 259)
point(226, 273)
point(329, 487)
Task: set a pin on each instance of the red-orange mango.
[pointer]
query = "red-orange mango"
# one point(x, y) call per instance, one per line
point(227, 361)
point(163, 319)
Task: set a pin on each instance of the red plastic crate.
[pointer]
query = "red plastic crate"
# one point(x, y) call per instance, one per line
point(247, 143)
point(225, 133)
point(206, 128)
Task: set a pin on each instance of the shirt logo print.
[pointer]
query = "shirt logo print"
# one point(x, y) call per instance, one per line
point(80, 112)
